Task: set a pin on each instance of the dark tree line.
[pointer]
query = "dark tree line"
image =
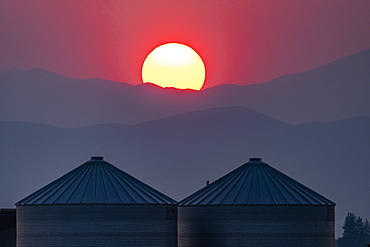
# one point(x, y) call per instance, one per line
point(356, 232)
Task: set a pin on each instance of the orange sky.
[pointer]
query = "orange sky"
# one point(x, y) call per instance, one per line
point(241, 42)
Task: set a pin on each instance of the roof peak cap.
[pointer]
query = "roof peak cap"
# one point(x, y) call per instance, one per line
point(94, 158)
point(255, 159)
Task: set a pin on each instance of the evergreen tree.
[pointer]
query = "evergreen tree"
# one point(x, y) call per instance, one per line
point(356, 232)
point(367, 231)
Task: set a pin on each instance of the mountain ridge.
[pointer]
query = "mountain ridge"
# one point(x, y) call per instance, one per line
point(327, 93)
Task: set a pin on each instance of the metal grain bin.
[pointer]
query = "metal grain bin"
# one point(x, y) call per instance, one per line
point(7, 228)
point(256, 205)
point(96, 204)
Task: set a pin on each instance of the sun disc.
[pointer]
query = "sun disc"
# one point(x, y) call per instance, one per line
point(174, 65)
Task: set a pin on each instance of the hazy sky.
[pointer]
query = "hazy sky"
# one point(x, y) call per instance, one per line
point(241, 42)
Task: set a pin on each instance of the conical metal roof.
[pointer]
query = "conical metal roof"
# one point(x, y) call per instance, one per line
point(96, 182)
point(255, 183)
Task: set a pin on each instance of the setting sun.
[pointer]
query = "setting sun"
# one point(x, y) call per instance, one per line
point(174, 65)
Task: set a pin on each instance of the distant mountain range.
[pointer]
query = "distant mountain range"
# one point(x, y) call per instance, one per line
point(328, 93)
point(178, 154)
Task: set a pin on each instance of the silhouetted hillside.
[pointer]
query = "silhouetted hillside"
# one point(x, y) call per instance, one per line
point(331, 92)
point(177, 155)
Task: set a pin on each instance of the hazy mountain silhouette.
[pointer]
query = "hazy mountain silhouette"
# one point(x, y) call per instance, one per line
point(178, 154)
point(331, 92)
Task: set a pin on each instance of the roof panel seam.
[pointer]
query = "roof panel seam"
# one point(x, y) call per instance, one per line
point(56, 188)
point(226, 180)
point(88, 180)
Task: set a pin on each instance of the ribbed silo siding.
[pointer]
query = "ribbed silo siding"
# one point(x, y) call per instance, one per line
point(262, 226)
point(97, 225)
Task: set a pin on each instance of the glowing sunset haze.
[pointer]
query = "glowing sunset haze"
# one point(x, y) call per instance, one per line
point(178, 93)
point(241, 42)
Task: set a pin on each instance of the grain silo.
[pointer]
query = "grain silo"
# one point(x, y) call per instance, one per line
point(96, 204)
point(256, 205)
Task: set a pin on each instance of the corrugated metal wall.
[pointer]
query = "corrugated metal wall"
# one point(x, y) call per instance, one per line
point(97, 225)
point(262, 226)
